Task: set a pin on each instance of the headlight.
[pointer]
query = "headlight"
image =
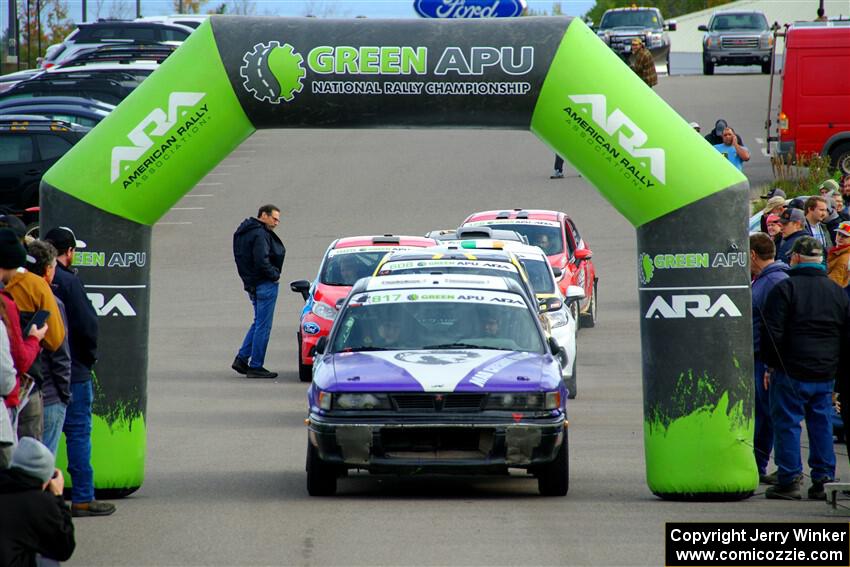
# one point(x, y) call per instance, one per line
point(553, 400)
point(361, 401)
point(518, 401)
point(324, 311)
point(655, 40)
point(708, 42)
point(325, 400)
point(557, 318)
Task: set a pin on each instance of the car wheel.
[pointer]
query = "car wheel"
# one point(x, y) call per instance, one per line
point(321, 477)
point(553, 479)
point(32, 230)
point(707, 68)
point(589, 319)
point(572, 381)
point(305, 371)
point(839, 158)
point(668, 63)
point(766, 68)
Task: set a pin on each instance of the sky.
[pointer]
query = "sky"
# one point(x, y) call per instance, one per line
point(340, 8)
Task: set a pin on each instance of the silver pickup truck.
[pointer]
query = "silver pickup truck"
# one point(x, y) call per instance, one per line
point(736, 38)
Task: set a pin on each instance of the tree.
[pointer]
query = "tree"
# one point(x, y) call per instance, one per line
point(669, 8)
point(55, 27)
point(188, 6)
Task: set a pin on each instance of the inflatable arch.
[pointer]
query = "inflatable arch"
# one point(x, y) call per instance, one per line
point(551, 75)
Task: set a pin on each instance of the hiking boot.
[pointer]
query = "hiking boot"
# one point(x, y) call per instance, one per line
point(260, 373)
point(240, 365)
point(790, 491)
point(772, 478)
point(93, 508)
point(557, 174)
point(816, 490)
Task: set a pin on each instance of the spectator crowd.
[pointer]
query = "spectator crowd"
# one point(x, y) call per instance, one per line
point(800, 267)
point(48, 348)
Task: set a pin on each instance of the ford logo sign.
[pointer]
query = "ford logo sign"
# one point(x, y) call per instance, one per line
point(469, 8)
point(311, 328)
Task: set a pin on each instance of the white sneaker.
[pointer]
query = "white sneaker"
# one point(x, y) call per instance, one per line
point(557, 175)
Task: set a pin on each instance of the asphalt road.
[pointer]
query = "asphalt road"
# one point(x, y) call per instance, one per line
point(225, 481)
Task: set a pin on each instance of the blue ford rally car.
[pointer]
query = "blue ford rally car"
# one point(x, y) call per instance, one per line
point(437, 374)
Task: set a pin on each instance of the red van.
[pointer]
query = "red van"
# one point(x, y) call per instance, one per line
point(814, 114)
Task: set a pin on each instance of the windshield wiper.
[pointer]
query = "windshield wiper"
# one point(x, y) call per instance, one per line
point(365, 349)
point(459, 345)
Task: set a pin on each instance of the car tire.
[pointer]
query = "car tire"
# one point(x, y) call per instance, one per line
point(32, 230)
point(553, 479)
point(321, 477)
point(766, 68)
point(572, 381)
point(839, 157)
point(668, 63)
point(305, 371)
point(707, 68)
point(589, 319)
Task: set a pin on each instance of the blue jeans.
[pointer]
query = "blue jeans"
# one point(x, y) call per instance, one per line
point(78, 440)
point(54, 420)
point(763, 438)
point(792, 401)
point(256, 340)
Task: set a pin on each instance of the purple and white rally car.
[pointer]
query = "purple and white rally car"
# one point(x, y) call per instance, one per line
point(442, 373)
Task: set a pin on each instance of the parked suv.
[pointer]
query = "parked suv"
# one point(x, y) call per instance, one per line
point(104, 32)
point(29, 145)
point(736, 38)
point(619, 26)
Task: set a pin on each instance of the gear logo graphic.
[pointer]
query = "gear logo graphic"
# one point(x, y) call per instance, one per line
point(273, 72)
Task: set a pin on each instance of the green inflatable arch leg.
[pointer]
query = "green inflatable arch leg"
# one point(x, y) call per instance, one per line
point(551, 75)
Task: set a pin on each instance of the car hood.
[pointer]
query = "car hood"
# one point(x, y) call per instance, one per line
point(461, 370)
point(330, 294)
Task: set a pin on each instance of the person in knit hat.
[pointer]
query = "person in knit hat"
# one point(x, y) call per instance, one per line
point(33, 516)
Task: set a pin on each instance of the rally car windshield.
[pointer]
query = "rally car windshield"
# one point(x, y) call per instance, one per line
point(500, 269)
point(538, 273)
point(435, 320)
point(547, 237)
point(347, 268)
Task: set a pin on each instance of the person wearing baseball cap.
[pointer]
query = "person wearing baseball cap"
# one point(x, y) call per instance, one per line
point(775, 192)
point(838, 259)
point(827, 186)
point(774, 206)
point(805, 322)
point(793, 223)
point(82, 321)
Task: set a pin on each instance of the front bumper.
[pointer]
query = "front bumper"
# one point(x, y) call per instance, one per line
point(450, 445)
point(729, 57)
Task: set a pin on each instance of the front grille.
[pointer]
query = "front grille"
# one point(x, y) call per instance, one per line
point(739, 42)
point(621, 41)
point(438, 402)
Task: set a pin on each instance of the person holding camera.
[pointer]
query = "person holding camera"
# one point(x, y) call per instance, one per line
point(33, 516)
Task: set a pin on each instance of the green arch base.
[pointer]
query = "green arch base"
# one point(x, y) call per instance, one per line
point(550, 75)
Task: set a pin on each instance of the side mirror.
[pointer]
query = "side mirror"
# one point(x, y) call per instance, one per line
point(557, 272)
point(321, 345)
point(703, 28)
point(574, 293)
point(302, 287)
point(340, 302)
point(545, 304)
point(582, 254)
point(672, 25)
point(554, 347)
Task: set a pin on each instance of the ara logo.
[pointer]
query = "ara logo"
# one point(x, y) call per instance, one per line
point(117, 305)
point(631, 137)
point(699, 306)
point(162, 122)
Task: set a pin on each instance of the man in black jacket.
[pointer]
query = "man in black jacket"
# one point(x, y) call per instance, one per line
point(806, 319)
point(33, 516)
point(259, 256)
point(82, 340)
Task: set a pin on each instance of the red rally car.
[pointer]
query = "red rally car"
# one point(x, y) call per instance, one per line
point(557, 235)
point(345, 261)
